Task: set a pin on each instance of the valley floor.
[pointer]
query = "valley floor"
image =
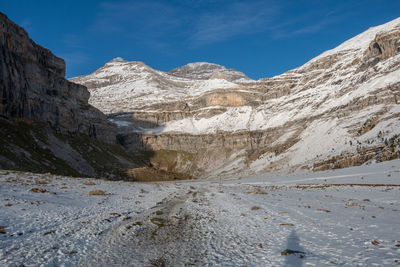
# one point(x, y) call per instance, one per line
point(348, 217)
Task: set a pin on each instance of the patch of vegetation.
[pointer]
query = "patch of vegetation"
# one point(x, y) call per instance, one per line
point(375, 242)
point(106, 159)
point(171, 160)
point(158, 212)
point(324, 210)
point(286, 224)
point(38, 190)
point(96, 192)
point(150, 174)
point(20, 145)
point(26, 146)
point(158, 221)
point(257, 190)
point(160, 262)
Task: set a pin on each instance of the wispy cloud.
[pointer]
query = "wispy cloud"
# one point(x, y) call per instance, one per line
point(311, 22)
point(137, 18)
point(233, 20)
point(199, 23)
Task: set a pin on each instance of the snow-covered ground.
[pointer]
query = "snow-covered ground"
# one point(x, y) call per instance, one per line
point(348, 217)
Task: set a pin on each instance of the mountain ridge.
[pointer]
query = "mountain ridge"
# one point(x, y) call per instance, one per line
point(298, 120)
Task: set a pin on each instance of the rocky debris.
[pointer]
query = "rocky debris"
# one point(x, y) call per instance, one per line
point(32, 86)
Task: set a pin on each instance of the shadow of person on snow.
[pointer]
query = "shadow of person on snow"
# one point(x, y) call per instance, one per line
point(294, 253)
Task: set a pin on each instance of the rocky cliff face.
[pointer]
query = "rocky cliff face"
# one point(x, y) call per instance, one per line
point(46, 123)
point(32, 86)
point(337, 110)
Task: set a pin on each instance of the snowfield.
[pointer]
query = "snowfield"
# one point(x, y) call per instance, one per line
point(348, 217)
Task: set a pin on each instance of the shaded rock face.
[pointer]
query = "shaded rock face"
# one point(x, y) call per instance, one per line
point(386, 44)
point(32, 86)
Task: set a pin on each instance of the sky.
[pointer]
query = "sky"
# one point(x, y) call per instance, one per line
point(260, 38)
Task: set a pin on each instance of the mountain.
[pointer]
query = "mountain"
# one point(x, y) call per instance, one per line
point(122, 86)
point(339, 109)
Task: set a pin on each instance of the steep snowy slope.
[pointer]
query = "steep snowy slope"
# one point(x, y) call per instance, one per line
point(339, 109)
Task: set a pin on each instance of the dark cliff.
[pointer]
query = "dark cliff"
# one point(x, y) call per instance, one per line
point(32, 86)
point(46, 123)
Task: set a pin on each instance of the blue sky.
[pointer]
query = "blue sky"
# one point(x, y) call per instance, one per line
point(259, 38)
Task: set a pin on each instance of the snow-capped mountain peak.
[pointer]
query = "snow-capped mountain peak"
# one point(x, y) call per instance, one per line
point(117, 60)
point(205, 70)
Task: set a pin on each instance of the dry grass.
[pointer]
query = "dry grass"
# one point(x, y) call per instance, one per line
point(96, 192)
point(286, 224)
point(41, 182)
point(324, 210)
point(160, 262)
point(38, 190)
point(257, 190)
point(351, 203)
point(89, 183)
point(8, 204)
point(255, 208)
point(158, 212)
point(158, 221)
point(375, 242)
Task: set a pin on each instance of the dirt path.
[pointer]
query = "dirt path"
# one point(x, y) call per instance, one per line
point(158, 237)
